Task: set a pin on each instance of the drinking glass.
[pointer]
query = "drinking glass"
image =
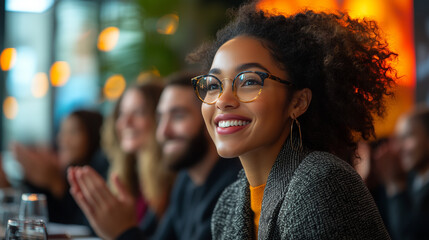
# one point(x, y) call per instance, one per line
point(26, 229)
point(33, 206)
point(9, 206)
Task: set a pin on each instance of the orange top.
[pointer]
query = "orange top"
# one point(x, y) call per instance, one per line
point(256, 195)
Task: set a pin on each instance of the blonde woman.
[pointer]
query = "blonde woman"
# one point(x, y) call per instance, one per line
point(129, 141)
point(138, 179)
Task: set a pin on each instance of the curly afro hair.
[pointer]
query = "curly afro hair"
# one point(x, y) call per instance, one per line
point(344, 62)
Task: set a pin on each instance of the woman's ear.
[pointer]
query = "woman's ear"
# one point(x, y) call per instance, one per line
point(300, 102)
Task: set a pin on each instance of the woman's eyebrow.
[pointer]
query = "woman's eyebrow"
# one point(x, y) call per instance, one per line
point(246, 66)
point(241, 68)
point(215, 71)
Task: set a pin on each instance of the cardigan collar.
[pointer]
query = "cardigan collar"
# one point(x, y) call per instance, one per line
point(278, 181)
point(243, 216)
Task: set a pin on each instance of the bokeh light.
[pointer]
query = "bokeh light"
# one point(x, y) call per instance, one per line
point(114, 87)
point(59, 73)
point(40, 85)
point(31, 6)
point(7, 59)
point(293, 6)
point(366, 9)
point(30, 197)
point(147, 75)
point(168, 24)
point(108, 39)
point(10, 107)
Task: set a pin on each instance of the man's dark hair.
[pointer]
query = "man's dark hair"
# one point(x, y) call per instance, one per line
point(91, 122)
point(181, 78)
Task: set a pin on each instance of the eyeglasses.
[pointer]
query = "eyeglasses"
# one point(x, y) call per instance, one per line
point(247, 86)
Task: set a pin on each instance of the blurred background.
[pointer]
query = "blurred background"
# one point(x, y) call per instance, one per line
point(62, 55)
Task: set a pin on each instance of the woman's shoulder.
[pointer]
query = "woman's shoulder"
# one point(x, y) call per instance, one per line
point(323, 158)
point(325, 166)
point(327, 193)
point(322, 173)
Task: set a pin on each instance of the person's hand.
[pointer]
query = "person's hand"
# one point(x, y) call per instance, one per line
point(388, 166)
point(109, 215)
point(41, 168)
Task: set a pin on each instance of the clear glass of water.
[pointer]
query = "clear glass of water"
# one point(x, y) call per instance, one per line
point(33, 206)
point(26, 229)
point(9, 206)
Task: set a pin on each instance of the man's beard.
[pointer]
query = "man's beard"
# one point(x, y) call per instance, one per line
point(196, 149)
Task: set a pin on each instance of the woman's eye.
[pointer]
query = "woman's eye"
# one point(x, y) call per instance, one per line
point(251, 82)
point(213, 87)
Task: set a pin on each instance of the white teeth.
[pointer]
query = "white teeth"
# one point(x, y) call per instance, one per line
point(232, 123)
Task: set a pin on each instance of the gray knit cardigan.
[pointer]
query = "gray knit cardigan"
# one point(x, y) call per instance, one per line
point(309, 195)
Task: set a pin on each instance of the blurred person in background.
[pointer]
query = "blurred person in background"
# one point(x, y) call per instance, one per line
point(186, 148)
point(369, 169)
point(404, 170)
point(134, 155)
point(138, 181)
point(45, 170)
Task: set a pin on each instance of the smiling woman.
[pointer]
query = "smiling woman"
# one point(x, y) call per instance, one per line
point(266, 113)
point(290, 96)
point(129, 141)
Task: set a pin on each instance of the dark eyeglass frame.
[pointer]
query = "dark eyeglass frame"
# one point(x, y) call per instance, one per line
point(262, 75)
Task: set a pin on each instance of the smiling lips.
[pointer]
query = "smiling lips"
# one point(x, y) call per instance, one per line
point(228, 124)
point(232, 123)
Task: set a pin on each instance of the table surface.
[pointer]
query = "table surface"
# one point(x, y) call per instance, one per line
point(64, 231)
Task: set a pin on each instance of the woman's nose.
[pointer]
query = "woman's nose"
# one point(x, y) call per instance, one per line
point(227, 99)
point(127, 119)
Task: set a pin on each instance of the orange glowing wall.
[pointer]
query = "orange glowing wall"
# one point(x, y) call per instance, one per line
point(395, 18)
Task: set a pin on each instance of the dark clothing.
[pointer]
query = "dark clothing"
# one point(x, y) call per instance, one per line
point(308, 195)
point(409, 213)
point(65, 210)
point(190, 210)
point(380, 199)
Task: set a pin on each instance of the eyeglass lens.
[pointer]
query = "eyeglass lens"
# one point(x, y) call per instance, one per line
point(247, 87)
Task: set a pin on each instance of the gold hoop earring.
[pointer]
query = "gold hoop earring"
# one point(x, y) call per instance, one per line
point(299, 148)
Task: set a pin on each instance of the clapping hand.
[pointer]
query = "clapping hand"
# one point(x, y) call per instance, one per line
point(41, 167)
point(109, 215)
